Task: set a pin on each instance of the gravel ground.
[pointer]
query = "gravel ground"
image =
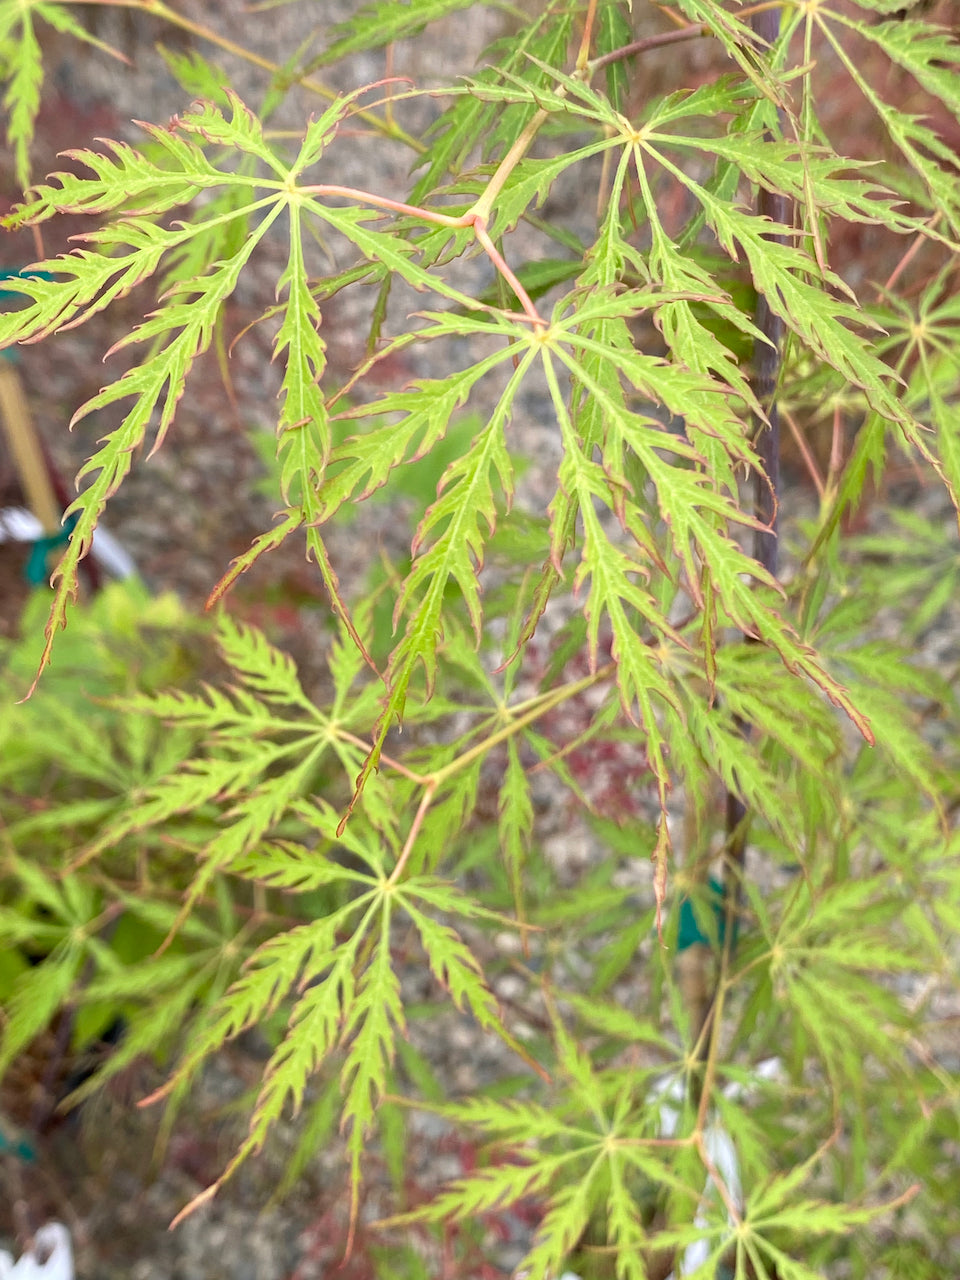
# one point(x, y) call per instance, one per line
point(183, 514)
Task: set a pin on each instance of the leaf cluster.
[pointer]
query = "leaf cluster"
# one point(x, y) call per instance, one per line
point(622, 655)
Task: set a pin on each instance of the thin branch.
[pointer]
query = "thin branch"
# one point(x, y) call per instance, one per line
point(684, 32)
point(425, 802)
point(583, 56)
point(642, 46)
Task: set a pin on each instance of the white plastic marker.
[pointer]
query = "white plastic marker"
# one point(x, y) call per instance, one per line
point(19, 525)
point(50, 1258)
point(720, 1149)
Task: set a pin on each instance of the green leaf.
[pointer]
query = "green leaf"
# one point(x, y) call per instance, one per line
point(613, 32)
point(289, 961)
point(931, 54)
point(371, 1026)
point(22, 97)
point(363, 463)
point(927, 52)
point(561, 1229)
point(486, 1189)
point(453, 964)
point(456, 552)
point(382, 22)
point(25, 78)
point(267, 671)
point(38, 995)
point(625, 1227)
point(515, 821)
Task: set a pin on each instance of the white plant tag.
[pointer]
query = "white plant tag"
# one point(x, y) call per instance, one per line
point(50, 1258)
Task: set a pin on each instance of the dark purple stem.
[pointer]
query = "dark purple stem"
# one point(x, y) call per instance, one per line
point(767, 355)
point(766, 359)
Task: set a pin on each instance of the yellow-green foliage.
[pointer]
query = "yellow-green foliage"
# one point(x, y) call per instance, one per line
point(297, 852)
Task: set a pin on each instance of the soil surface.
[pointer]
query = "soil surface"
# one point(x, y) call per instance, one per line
point(183, 514)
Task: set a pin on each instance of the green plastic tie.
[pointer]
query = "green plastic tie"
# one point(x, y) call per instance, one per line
point(11, 353)
point(690, 933)
point(36, 570)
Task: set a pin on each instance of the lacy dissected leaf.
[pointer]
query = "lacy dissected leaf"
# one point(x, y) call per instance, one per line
point(131, 249)
point(931, 54)
point(486, 1189)
point(370, 1027)
point(161, 378)
point(689, 396)
point(773, 1204)
point(282, 864)
point(77, 286)
point(266, 670)
point(878, 677)
point(303, 430)
point(454, 527)
point(685, 498)
point(172, 993)
point(531, 183)
point(744, 771)
point(287, 523)
point(760, 693)
point(562, 1227)
point(797, 172)
point(528, 1171)
point(340, 1001)
point(259, 802)
point(819, 971)
point(248, 734)
point(826, 323)
point(451, 529)
point(243, 131)
point(124, 178)
point(928, 53)
point(198, 76)
point(537, 58)
point(21, 100)
point(568, 1155)
point(719, 435)
point(186, 321)
point(559, 95)
point(363, 463)
point(811, 175)
point(471, 119)
point(451, 961)
point(625, 1229)
point(615, 592)
point(690, 507)
point(739, 43)
point(381, 23)
point(23, 71)
point(311, 960)
point(38, 994)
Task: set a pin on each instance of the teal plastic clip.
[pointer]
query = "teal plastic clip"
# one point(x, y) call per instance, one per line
point(11, 353)
point(24, 274)
point(690, 933)
point(14, 1146)
point(36, 569)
